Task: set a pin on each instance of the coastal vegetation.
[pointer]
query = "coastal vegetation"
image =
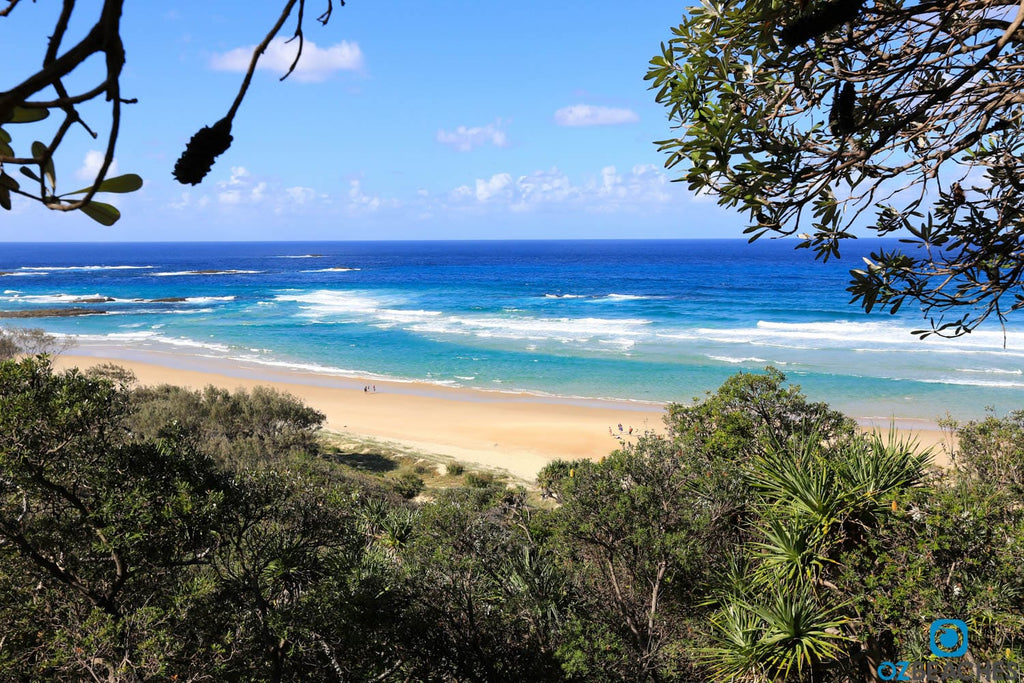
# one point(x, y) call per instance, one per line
point(164, 533)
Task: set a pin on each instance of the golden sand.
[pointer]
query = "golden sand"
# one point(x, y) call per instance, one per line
point(517, 433)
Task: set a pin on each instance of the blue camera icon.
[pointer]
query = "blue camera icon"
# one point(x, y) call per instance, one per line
point(948, 638)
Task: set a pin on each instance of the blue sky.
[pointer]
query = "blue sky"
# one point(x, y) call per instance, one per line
point(406, 120)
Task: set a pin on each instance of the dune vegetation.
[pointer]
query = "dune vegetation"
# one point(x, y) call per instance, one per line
point(163, 533)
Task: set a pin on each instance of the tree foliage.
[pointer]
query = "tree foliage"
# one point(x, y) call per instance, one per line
point(811, 116)
point(30, 341)
point(47, 91)
point(166, 534)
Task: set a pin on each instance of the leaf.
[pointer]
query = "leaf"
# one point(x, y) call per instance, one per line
point(8, 182)
point(25, 170)
point(23, 115)
point(41, 151)
point(5, 198)
point(101, 213)
point(128, 182)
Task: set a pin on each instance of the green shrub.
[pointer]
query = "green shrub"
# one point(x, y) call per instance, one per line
point(30, 341)
point(479, 480)
point(242, 427)
point(408, 485)
point(456, 469)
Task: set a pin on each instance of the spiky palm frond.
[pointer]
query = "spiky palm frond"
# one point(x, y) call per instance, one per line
point(788, 633)
point(800, 633)
point(791, 552)
point(794, 475)
point(736, 633)
point(877, 465)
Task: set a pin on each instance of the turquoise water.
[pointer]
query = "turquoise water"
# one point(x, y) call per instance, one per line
point(637, 320)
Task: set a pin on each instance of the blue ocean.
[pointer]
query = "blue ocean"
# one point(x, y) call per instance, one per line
point(630, 320)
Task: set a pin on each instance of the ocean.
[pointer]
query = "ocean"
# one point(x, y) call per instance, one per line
point(650, 321)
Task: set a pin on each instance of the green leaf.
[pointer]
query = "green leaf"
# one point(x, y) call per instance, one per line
point(8, 182)
point(25, 170)
point(101, 213)
point(5, 198)
point(40, 151)
point(130, 182)
point(4, 136)
point(23, 115)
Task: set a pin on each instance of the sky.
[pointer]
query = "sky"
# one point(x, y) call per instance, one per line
point(405, 120)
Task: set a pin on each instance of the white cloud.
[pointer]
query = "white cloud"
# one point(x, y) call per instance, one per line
point(238, 174)
point(238, 188)
point(91, 166)
point(300, 195)
point(499, 186)
point(316, 63)
point(590, 115)
point(465, 139)
point(361, 203)
point(642, 188)
point(543, 187)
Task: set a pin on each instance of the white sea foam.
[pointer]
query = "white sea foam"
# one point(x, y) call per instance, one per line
point(859, 336)
point(63, 298)
point(564, 330)
point(385, 312)
point(155, 311)
point(992, 371)
point(973, 382)
point(602, 297)
point(332, 270)
point(209, 272)
point(149, 338)
point(52, 298)
point(49, 268)
point(730, 359)
point(24, 273)
point(207, 299)
point(301, 256)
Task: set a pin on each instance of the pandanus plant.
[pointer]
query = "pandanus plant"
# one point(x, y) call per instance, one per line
point(780, 616)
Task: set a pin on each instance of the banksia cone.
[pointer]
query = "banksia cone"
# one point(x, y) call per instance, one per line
point(841, 119)
point(205, 146)
point(958, 194)
point(826, 17)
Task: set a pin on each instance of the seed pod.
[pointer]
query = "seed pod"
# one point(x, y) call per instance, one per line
point(841, 120)
point(958, 194)
point(205, 146)
point(822, 20)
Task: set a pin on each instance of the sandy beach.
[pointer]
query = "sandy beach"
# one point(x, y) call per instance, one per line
point(516, 433)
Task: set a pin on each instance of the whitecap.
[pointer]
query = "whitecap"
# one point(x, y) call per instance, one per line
point(206, 272)
point(730, 359)
point(49, 268)
point(332, 270)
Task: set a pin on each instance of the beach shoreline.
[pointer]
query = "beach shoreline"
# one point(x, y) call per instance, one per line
point(513, 432)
